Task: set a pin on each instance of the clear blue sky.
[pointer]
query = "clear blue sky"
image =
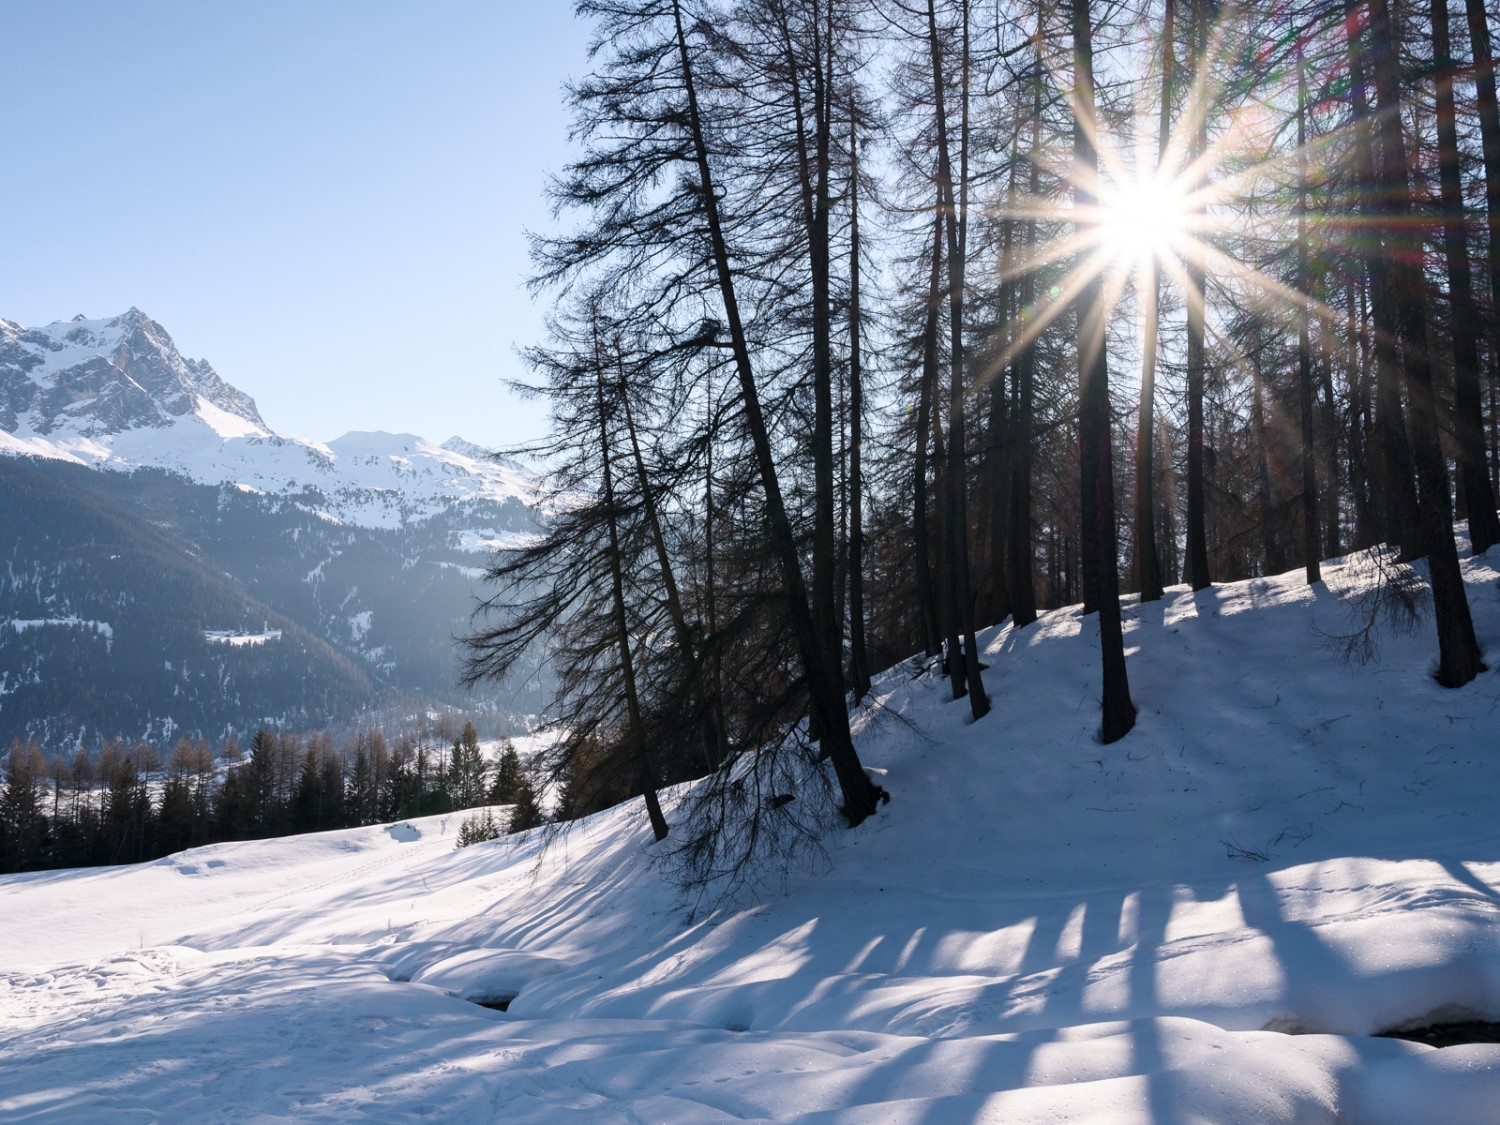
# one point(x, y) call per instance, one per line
point(326, 199)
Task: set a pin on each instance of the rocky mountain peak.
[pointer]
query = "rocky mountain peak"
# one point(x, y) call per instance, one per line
point(100, 377)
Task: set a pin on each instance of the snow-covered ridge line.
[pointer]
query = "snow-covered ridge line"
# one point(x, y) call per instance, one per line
point(236, 638)
point(116, 394)
point(103, 628)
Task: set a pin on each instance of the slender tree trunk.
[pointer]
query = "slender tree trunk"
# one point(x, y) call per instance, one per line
point(1096, 470)
point(1147, 557)
point(859, 665)
point(1197, 298)
point(813, 167)
point(926, 396)
point(1393, 494)
point(825, 695)
point(999, 454)
point(692, 658)
point(1489, 136)
point(715, 671)
point(956, 204)
point(1330, 490)
point(1022, 586)
point(1479, 500)
point(1356, 368)
point(638, 746)
point(1310, 544)
point(1271, 551)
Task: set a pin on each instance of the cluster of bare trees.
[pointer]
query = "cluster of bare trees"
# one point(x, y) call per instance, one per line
point(837, 312)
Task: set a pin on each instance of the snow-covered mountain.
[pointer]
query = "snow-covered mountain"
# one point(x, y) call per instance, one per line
point(117, 394)
point(146, 508)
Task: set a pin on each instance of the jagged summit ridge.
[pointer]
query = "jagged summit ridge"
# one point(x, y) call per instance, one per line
point(94, 378)
point(117, 394)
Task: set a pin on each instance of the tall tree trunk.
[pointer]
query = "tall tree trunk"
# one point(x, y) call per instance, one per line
point(999, 457)
point(1356, 368)
point(1458, 649)
point(1489, 136)
point(1330, 490)
point(1022, 586)
point(926, 397)
point(686, 644)
point(1468, 414)
point(1267, 509)
point(859, 665)
point(1096, 471)
point(814, 166)
point(1197, 298)
point(955, 203)
point(1310, 544)
point(1393, 494)
point(638, 745)
point(1147, 557)
point(860, 795)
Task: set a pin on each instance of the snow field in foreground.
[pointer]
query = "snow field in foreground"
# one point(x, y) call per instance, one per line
point(1036, 928)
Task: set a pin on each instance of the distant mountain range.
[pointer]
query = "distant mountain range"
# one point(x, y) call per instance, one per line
point(172, 564)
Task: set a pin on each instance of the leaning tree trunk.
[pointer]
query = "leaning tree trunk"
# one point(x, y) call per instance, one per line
point(691, 656)
point(638, 744)
point(825, 696)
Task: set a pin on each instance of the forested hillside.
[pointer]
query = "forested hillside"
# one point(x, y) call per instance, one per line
point(143, 606)
point(879, 324)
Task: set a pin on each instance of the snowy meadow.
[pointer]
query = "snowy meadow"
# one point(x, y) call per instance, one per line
point(1205, 922)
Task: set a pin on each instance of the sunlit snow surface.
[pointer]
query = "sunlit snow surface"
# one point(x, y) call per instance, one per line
point(1038, 928)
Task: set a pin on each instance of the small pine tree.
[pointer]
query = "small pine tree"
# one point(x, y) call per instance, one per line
point(466, 770)
point(509, 775)
point(477, 828)
point(525, 811)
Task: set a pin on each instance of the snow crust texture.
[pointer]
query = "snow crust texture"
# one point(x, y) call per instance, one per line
point(1205, 922)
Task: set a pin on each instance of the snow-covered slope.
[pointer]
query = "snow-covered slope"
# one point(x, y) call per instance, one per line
point(1038, 928)
point(116, 394)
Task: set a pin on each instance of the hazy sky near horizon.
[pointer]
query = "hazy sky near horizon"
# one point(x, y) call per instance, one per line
point(325, 199)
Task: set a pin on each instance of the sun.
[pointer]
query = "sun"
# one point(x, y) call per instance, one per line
point(1142, 219)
